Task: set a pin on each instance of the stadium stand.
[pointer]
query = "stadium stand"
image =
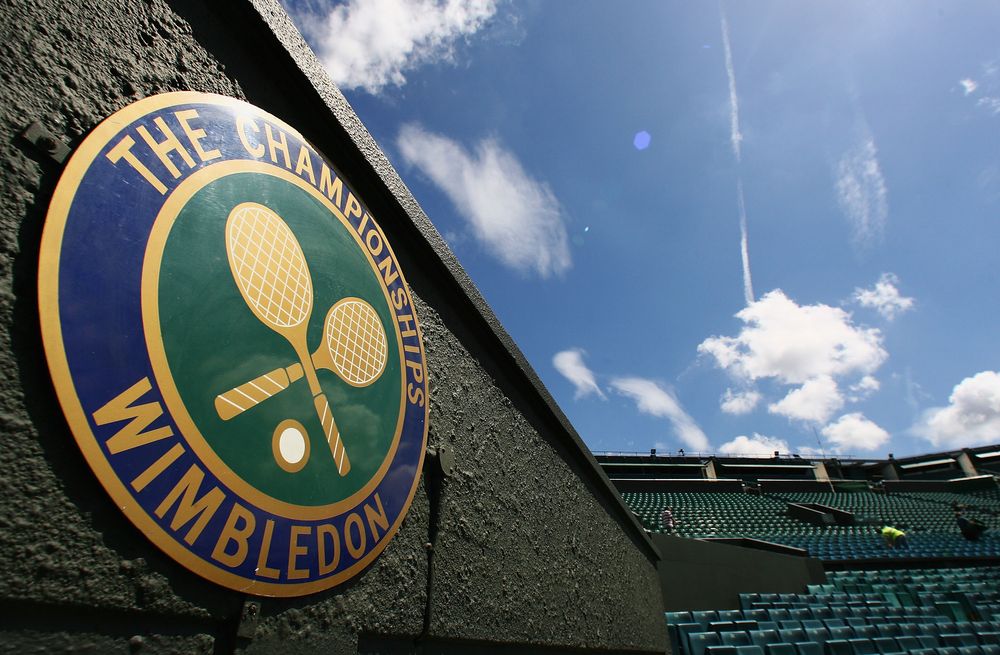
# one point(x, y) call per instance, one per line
point(940, 594)
point(927, 517)
point(883, 611)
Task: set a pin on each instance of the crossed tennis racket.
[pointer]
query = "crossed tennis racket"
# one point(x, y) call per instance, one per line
point(271, 272)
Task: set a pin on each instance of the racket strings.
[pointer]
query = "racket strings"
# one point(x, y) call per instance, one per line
point(270, 266)
point(357, 342)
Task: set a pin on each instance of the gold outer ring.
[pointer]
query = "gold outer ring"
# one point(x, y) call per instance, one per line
point(51, 327)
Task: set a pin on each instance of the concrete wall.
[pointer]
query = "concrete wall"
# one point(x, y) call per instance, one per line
point(533, 546)
point(699, 575)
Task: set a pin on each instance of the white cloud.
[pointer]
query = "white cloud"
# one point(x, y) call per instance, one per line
point(570, 364)
point(884, 297)
point(796, 343)
point(370, 44)
point(814, 401)
point(971, 418)
point(913, 393)
point(740, 402)
point(990, 103)
point(513, 216)
point(862, 193)
point(650, 398)
point(986, 88)
point(756, 446)
point(854, 432)
point(864, 387)
point(989, 181)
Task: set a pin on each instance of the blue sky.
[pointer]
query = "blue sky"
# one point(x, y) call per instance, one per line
point(734, 227)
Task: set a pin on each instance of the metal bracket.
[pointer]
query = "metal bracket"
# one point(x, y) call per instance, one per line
point(46, 142)
point(248, 620)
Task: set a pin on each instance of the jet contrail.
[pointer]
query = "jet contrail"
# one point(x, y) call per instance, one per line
point(744, 243)
point(734, 104)
point(735, 138)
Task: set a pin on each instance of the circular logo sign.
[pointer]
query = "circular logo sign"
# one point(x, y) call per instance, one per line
point(233, 344)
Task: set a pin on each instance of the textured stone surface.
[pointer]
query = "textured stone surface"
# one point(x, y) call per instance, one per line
point(531, 547)
point(33, 642)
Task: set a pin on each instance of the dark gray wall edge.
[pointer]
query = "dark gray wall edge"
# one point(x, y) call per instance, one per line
point(370, 163)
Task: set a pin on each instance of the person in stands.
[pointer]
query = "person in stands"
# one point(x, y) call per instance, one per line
point(893, 537)
point(667, 520)
point(970, 528)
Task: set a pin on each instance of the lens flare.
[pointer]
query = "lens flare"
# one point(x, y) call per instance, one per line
point(641, 140)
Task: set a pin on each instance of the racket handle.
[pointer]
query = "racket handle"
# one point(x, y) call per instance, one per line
point(249, 394)
point(332, 434)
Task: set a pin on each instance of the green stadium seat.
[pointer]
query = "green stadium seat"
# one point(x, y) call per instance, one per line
point(698, 642)
point(809, 648)
point(907, 643)
point(863, 647)
point(676, 645)
point(749, 650)
point(764, 637)
point(840, 632)
point(838, 647)
point(781, 649)
point(969, 650)
point(735, 638)
point(990, 649)
point(865, 631)
point(792, 635)
point(704, 616)
point(888, 630)
point(952, 610)
point(886, 645)
point(819, 634)
point(959, 640)
point(928, 641)
point(720, 650)
point(678, 617)
point(684, 630)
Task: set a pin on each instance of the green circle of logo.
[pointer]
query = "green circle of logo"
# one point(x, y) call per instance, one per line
point(252, 300)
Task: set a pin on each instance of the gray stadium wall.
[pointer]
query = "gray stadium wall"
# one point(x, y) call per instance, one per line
point(533, 547)
point(700, 575)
